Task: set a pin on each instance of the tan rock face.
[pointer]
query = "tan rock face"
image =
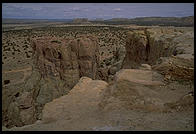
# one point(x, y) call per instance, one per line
point(131, 90)
point(87, 52)
point(143, 77)
point(67, 59)
point(81, 100)
point(143, 47)
point(176, 68)
point(136, 89)
point(58, 66)
point(145, 67)
point(54, 58)
point(135, 49)
point(22, 111)
point(27, 108)
point(184, 103)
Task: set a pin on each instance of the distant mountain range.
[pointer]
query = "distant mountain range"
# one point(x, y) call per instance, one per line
point(29, 21)
point(145, 21)
point(149, 21)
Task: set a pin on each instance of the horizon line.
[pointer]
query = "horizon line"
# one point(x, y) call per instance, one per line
point(98, 18)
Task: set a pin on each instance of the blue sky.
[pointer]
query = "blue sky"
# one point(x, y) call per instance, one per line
point(95, 10)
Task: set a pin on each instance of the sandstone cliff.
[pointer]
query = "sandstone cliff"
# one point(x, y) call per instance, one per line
point(142, 46)
point(58, 66)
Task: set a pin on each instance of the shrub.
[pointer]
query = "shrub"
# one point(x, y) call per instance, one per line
point(55, 41)
point(6, 82)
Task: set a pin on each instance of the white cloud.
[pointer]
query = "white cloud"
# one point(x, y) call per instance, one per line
point(75, 8)
point(116, 9)
point(86, 9)
point(36, 8)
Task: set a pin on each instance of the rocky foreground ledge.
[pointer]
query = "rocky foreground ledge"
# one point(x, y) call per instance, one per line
point(93, 104)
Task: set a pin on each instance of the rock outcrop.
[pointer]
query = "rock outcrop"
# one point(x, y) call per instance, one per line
point(67, 58)
point(185, 103)
point(58, 66)
point(131, 90)
point(61, 63)
point(97, 103)
point(167, 50)
point(79, 105)
point(145, 67)
point(81, 100)
point(143, 47)
point(144, 90)
point(87, 52)
point(22, 110)
point(50, 95)
point(175, 68)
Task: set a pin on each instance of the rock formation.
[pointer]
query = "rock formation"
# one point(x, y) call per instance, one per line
point(61, 63)
point(131, 89)
point(60, 58)
point(82, 99)
point(175, 68)
point(22, 110)
point(58, 66)
point(144, 47)
point(185, 103)
point(95, 102)
point(63, 85)
point(87, 52)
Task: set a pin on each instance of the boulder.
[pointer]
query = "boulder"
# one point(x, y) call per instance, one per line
point(145, 67)
point(176, 68)
point(142, 77)
point(131, 90)
point(82, 99)
point(185, 103)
